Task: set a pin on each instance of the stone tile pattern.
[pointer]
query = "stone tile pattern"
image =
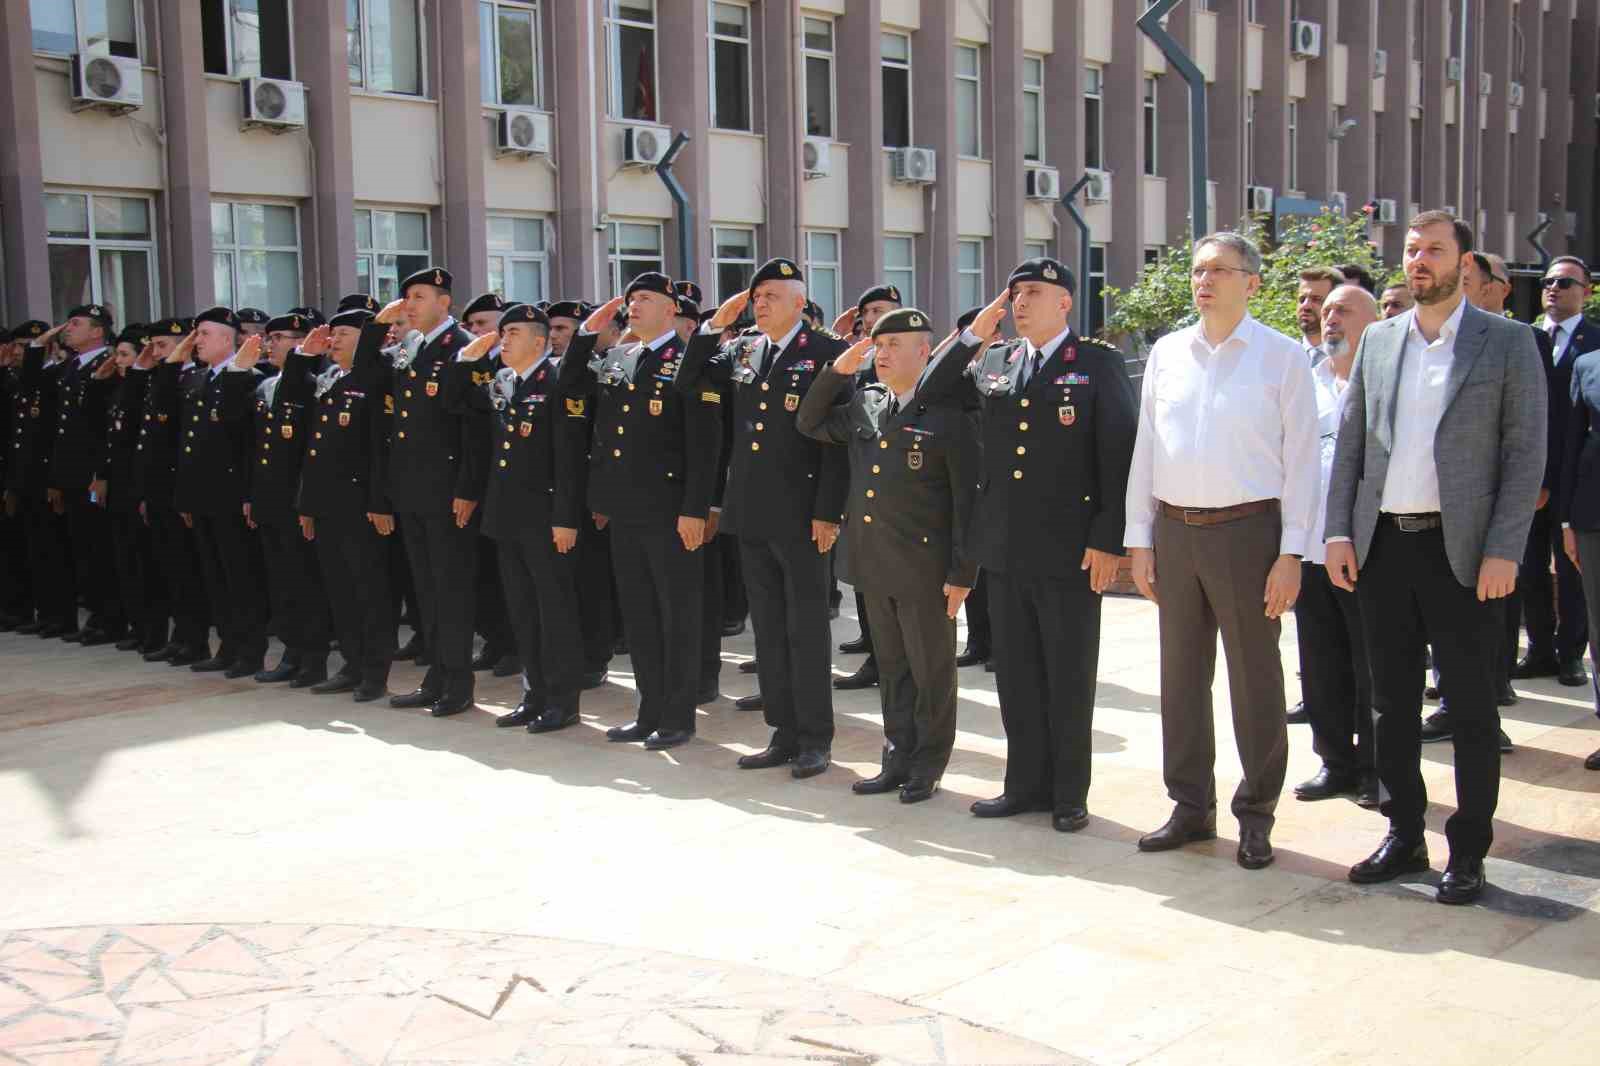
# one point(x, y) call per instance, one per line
point(302, 995)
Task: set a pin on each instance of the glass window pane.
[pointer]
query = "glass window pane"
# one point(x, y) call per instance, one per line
point(121, 218)
point(967, 118)
point(222, 279)
point(410, 231)
point(382, 230)
point(269, 280)
point(733, 244)
point(125, 284)
point(108, 27)
point(819, 34)
point(500, 232)
point(733, 277)
point(497, 274)
point(824, 288)
point(1031, 106)
point(529, 234)
point(487, 84)
point(897, 46)
point(55, 29)
point(731, 75)
point(518, 85)
point(730, 20)
point(634, 239)
point(396, 61)
point(636, 10)
point(823, 247)
point(221, 224)
point(364, 274)
point(968, 255)
point(896, 253)
point(896, 107)
point(819, 97)
point(363, 229)
point(636, 49)
point(628, 269)
point(352, 41)
point(527, 281)
point(1032, 71)
point(265, 225)
point(266, 25)
point(966, 61)
point(1091, 133)
point(1091, 80)
point(66, 214)
point(69, 279)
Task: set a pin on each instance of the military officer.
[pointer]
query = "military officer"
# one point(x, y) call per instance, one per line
point(1059, 418)
point(343, 503)
point(531, 508)
point(16, 580)
point(253, 322)
point(434, 486)
point(143, 591)
point(652, 473)
point(784, 501)
point(43, 365)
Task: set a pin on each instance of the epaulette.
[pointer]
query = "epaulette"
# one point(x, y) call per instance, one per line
point(826, 332)
point(1090, 342)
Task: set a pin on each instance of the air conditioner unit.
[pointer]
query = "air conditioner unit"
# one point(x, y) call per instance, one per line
point(1452, 69)
point(912, 166)
point(1098, 191)
point(1380, 63)
point(1258, 199)
point(1339, 203)
point(272, 103)
point(1042, 183)
point(1485, 83)
point(1305, 39)
point(1514, 94)
point(114, 83)
point(523, 133)
point(1385, 213)
point(643, 146)
point(816, 157)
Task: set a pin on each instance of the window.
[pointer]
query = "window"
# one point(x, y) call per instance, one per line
point(508, 53)
point(631, 249)
point(631, 52)
point(1294, 144)
point(97, 27)
point(1097, 288)
point(900, 266)
point(968, 141)
point(390, 245)
point(519, 261)
point(255, 255)
point(733, 259)
point(822, 271)
point(1035, 249)
point(1250, 138)
point(1032, 108)
point(817, 52)
point(246, 38)
point(896, 63)
point(1252, 11)
point(101, 250)
point(383, 45)
point(730, 66)
point(1152, 255)
point(1150, 126)
point(969, 274)
point(1093, 129)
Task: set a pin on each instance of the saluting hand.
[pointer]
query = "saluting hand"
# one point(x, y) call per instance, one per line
point(986, 327)
point(729, 310)
point(391, 312)
point(180, 352)
point(249, 353)
point(106, 370)
point(602, 315)
point(479, 347)
point(953, 597)
point(845, 324)
point(853, 357)
point(317, 342)
point(147, 356)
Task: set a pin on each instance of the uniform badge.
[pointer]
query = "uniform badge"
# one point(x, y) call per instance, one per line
point(914, 460)
point(525, 428)
point(791, 401)
point(711, 397)
point(214, 416)
point(575, 408)
point(159, 418)
point(655, 407)
point(785, 269)
point(287, 431)
point(344, 418)
point(1067, 414)
point(388, 405)
point(432, 388)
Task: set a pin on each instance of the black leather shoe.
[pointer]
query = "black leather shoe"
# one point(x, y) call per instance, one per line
point(1593, 761)
point(94, 638)
point(748, 667)
point(1430, 692)
point(707, 694)
point(1462, 882)
point(54, 631)
point(340, 682)
point(445, 706)
point(284, 671)
point(1572, 674)
point(163, 654)
point(1506, 747)
point(1006, 805)
point(887, 780)
point(594, 679)
point(1297, 714)
point(553, 719)
point(1180, 831)
point(810, 764)
point(1437, 726)
point(1070, 820)
point(1394, 858)
point(732, 629)
point(214, 665)
point(627, 734)
point(1507, 696)
point(752, 702)
point(767, 758)
point(971, 656)
point(662, 739)
point(417, 697)
point(243, 668)
point(310, 676)
point(510, 665)
point(190, 656)
point(866, 677)
point(130, 644)
point(524, 715)
point(29, 629)
point(486, 658)
point(1326, 783)
point(76, 636)
point(370, 692)
point(1536, 666)
point(1367, 791)
point(915, 791)
point(1255, 849)
point(857, 646)
point(411, 649)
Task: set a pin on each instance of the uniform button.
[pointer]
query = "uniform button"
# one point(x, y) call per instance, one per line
point(313, 453)
point(762, 405)
point(1024, 402)
point(630, 386)
point(625, 408)
point(266, 446)
point(871, 493)
point(619, 431)
point(186, 448)
point(1023, 426)
point(508, 446)
point(318, 434)
point(1021, 450)
point(324, 418)
point(263, 462)
point(883, 444)
point(1016, 475)
point(401, 434)
point(408, 394)
point(874, 469)
point(765, 386)
point(411, 373)
point(755, 446)
point(405, 414)
point(866, 518)
point(502, 462)
point(760, 426)
point(1086, 499)
point(616, 453)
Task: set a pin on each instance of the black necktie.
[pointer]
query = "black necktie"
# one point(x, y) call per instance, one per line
point(1034, 364)
point(894, 406)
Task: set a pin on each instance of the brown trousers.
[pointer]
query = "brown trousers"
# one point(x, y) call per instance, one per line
point(1210, 579)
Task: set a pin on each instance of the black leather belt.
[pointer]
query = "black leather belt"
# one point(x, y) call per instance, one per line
point(1414, 523)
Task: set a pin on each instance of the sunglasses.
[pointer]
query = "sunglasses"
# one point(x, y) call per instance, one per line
point(1559, 283)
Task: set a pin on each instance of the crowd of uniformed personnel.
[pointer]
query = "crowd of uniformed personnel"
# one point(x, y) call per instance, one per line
point(570, 480)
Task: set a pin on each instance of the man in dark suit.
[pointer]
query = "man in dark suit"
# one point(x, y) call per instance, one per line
point(1577, 503)
point(1436, 472)
point(785, 497)
point(144, 593)
point(913, 485)
point(499, 654)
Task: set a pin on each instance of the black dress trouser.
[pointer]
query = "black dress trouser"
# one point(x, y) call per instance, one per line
point(597, 600)
point(1335, 677)
point(94, 574)
point(661, 591)
point(787, 583)
point(541, 595)
point(444, 561)
point(1558, 620)
point(177, 559)
point(712, 576)
point(294, 584)
point(49, 556)
point(143, 589)
point(355, 565)
point(238, 602)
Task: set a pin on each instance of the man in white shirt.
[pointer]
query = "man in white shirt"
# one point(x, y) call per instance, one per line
point(1222, 496)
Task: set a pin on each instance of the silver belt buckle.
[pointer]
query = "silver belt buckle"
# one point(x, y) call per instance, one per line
point(1410, 524)
point(1187, 511)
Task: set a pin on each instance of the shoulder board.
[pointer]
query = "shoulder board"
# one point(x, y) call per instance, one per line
point(826, 332)
point(1091, 343)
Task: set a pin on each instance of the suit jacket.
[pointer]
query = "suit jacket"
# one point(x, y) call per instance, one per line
point(81, 403)
point(280, 431)
point(1489, 449)
point(344, 471)
point(123, 424)
point(1578, 499)
point(213, 465)
point(432, 459)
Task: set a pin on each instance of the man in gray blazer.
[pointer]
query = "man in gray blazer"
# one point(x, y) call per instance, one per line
point(1440, 455)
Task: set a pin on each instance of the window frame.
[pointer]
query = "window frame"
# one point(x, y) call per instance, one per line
point(228, 38)
point(830, 305)
point(364, 27)
point(96, 244)
point(513, 255)
point(372, 252)
point(1292, 121)
point(612, 25)
point(1036, 249)
point(831, 56)
point(1250, 99)
point(139, 39)
point(234, 247)
point(533, 8)
point(614, 257)
point(719, 261)
point(1098, 98)
point(963, 272)
point(747, 43)
point(903, 277)
point(1095, 287)
point(1150, 127)
point(886, 63)
point(1033, 98)
point(975, 79)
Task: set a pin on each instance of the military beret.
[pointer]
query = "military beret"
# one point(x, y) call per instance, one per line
point(489, 301)
point(293, 322)
point(134, 333)
point(691, 290)
point(967, 318)
point(355, 318)
point(687, 308)
point(878, 292)
point(814, 310)
point(309, 315)
point(776, 270)
point(902, 320)
point(543, 305)
point(576, 310)
point(522, 313)
point(169, 327)
point(252, 316)
point(651, 281)
point(30, 330)
point(222, 316)
point(1045, 269)
point(97, 312)
point(357, 301)
point(438, 277)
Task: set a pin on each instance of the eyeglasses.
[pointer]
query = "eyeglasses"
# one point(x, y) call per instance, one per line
point(1559, 283)
point(1200, 273)
point(1507, 281)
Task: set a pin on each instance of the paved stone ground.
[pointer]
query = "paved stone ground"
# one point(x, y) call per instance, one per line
point(196, 870)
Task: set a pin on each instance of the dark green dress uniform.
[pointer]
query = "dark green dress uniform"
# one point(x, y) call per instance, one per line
point(80, 445)
point(49, 549)
point(534, 484)
point(779, 482)
point(913, 482)
point(294, 578)
point(345, 429)
point(1058, 439)
point(144, 591)
point(653, 459)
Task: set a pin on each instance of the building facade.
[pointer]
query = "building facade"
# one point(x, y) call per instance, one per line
point(276, 152)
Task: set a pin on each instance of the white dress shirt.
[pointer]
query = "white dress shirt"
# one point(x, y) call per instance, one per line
point(86, 357)
point(433, 334)
point(1568, 327)
point(1226, 425)
point(1330, 395)
point(1412, 484)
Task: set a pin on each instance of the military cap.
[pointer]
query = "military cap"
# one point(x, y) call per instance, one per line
point(651, 281)
point(522, 313)
point(543, 305)
point(309, 315)
point(438, 277)
point(691, 290)
point(890, 293)
point(968, 316)
point(96, 312)
point(576, 310)
point(30, 330)
point(169, 327)
point(776, 270)
point(293, 322)
point(1045, 269)
point(134, 333)
point(688, 308)
point(357, 301)
point(489, 301)
point(902, 320)
point(813, 310)
point(355, 318)
point(252, 316)
point(222, 316)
